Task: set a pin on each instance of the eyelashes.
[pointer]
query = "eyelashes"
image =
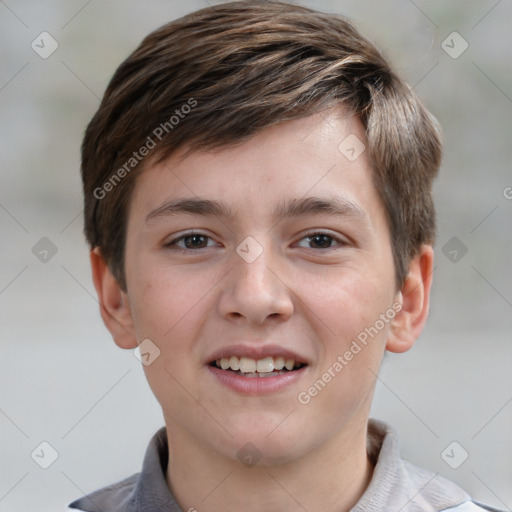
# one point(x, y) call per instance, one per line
point(193, 235)
point(320, 235)
point(194, 241)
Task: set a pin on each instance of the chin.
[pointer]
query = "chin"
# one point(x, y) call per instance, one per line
point(271, 446)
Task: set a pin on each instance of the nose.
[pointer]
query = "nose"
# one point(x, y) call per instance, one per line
point(256, 291)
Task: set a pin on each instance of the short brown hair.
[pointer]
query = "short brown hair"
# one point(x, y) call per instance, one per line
point(225, 73)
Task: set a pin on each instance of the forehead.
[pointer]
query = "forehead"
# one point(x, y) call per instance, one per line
point(272, 174)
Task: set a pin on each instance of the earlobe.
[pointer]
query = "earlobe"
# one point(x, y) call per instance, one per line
point(114, 306)
point(414, 295)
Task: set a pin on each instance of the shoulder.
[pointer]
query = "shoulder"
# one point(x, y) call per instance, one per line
point(439, 494)
point(471, 506)
point(146, 490)
point(114, 498)
point(400, 485)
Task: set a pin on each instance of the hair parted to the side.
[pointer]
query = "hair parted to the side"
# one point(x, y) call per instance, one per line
point(241, 67)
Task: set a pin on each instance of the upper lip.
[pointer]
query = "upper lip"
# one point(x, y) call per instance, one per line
point(255, 352)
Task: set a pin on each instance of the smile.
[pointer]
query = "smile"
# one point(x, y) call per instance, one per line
point(248, 367)
point(250, 376)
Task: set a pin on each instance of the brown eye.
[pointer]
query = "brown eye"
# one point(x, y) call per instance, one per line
point(322, 241)
point(190, 241)
point(195, 241)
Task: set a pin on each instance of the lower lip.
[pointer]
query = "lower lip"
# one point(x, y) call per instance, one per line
point(256, 385)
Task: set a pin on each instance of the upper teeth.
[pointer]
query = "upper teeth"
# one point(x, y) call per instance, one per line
point(248, 365)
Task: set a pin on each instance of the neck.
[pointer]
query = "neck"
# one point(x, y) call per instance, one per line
point(331, 478)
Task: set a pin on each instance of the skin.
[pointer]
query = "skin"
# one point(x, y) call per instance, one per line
point(313, 296)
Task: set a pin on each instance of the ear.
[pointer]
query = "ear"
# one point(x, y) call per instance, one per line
point(414, 296)
point(114, 305)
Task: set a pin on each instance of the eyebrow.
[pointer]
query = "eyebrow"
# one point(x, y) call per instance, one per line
point(335, 206)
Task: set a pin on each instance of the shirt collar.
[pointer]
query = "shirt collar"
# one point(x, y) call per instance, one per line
point(396, 484)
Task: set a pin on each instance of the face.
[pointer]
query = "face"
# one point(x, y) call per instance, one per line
point(274, 252)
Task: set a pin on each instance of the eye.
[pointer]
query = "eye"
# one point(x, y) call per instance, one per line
point(190, 241)
point(193, 241)
point(322, 240)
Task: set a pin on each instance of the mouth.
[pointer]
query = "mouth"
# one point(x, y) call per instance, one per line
point(257, 368)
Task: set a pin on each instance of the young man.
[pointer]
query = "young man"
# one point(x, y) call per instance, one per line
point(258, 203)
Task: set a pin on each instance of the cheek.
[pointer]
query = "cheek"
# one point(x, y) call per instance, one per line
point(354, 340)
point(347, 318)
point(165, 300)
point(169, 309)
point(346, 302)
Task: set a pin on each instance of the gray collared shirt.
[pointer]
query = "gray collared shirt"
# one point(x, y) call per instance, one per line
point(396, 485)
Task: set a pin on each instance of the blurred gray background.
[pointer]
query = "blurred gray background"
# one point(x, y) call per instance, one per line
point(62, 379)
